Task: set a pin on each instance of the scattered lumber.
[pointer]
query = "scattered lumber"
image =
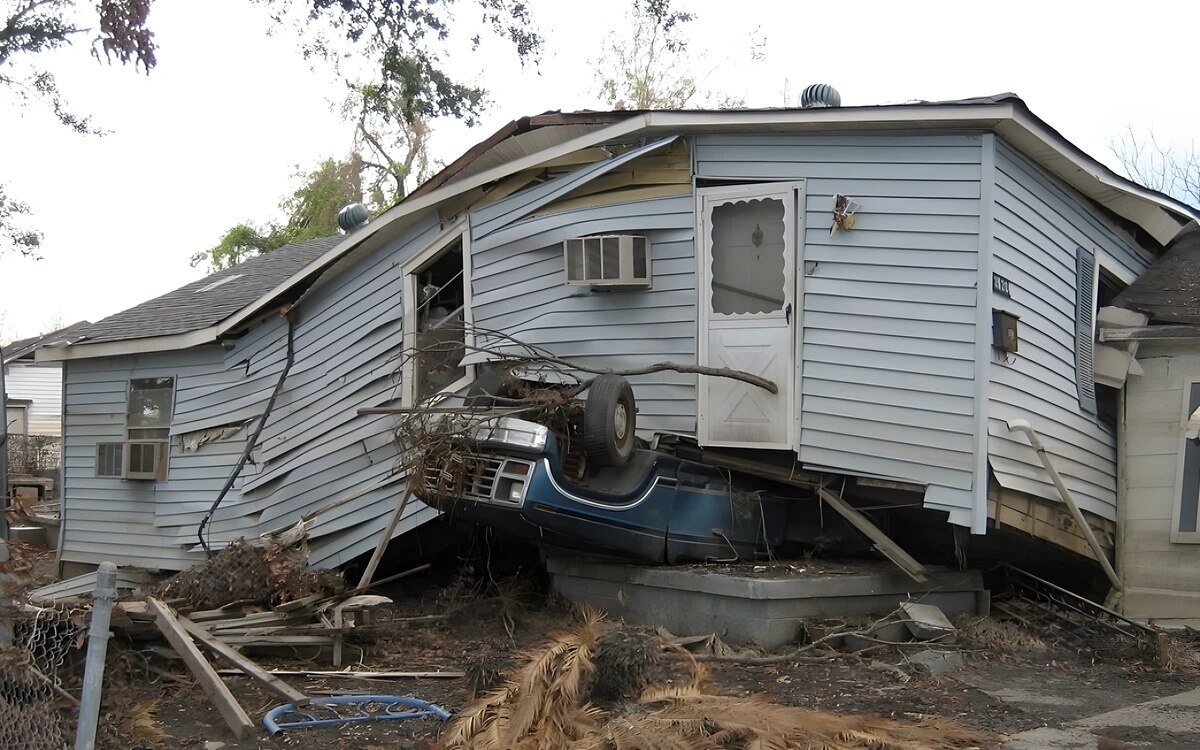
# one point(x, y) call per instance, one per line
point(356, 675)
point(246, 666)
point(231, 711)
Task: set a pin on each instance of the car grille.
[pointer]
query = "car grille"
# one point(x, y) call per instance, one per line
point(469, 479)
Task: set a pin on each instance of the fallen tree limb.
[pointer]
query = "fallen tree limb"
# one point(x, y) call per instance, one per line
point(716, 372)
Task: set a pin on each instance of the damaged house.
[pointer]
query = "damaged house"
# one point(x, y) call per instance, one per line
point(920, 282)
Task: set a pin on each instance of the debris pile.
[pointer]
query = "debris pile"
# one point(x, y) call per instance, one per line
point(246, 572)
point(554, 700)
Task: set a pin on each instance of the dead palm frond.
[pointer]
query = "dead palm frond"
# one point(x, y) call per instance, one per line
point(540, 705)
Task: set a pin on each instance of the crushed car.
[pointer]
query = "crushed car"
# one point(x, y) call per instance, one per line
point(619, 498)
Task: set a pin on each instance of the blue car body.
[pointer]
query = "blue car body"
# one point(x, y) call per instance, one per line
point(657, 508)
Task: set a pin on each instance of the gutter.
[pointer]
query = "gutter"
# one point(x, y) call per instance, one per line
point(1021, 425)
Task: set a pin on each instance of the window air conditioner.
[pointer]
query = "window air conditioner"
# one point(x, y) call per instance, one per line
point(613, 260)
point(146, 459)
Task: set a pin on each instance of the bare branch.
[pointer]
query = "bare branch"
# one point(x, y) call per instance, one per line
point(1158, 166)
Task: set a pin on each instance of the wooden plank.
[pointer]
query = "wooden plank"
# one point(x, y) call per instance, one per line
point(883, 543)
point(1151, 333)
point(359, 675)
point(231, 711)
point(246, 666)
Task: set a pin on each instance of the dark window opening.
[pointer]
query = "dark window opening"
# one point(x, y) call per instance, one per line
point(441, 322)
point(1107, 289)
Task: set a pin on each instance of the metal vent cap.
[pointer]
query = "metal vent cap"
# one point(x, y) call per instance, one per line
point(353, 216)
point(820, 95)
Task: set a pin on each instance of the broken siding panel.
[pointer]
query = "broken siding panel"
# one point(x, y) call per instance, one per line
point(602, 329)
point(341, 548)
point(889, 307)
point(1038, 227)
point(509, 210)
point(42, 386)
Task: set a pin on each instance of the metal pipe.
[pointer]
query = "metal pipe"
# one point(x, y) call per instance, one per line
point(1023, 425)
point(93, 675)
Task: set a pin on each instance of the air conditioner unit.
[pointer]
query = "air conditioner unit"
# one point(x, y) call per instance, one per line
point(610, 260)
point(146, 460)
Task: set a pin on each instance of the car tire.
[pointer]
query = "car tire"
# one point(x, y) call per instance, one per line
point(609, 421)
point(490, 386)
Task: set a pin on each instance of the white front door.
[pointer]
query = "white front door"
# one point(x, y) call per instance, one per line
point(748, 250)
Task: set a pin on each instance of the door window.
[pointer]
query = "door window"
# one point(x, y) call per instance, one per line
point(748, 257)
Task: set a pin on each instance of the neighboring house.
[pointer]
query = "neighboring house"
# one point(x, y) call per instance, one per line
point(33, 402)
point(913, 277)
point(1159, 507)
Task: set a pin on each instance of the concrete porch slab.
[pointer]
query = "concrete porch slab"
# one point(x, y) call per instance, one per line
point(763, 604)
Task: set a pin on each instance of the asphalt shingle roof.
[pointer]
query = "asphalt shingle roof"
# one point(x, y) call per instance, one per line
point(210, 300)
point(1169, 291)
point(22, 347)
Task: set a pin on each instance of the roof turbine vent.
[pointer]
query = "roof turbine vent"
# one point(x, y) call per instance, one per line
point(820, 95)
point(353, 217)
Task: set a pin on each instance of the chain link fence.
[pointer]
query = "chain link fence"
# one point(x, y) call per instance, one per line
point(36, 645)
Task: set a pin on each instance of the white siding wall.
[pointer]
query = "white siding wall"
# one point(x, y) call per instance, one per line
point(888, 310)
point(519, 287)
point(314, 450)
point(1162, 580)
point(41, 384)
point(1038, 224)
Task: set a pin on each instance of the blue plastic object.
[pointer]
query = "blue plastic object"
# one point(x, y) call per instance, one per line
point(325, 711)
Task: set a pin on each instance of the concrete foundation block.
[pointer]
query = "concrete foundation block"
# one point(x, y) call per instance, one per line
point(766, 610)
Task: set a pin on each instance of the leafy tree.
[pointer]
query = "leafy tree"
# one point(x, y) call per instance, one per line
point(391, 150)
point(406, 40)
point(14, 237)
point(31, 27)
point(652, 67)
point(389, 154)
point(649, 69)
point(311, 212)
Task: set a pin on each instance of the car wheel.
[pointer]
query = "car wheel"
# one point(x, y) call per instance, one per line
point(609, 421)
point(490, 386)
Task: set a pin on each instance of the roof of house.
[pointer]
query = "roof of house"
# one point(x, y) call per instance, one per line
point(182, 319)
point(26, 347)
point(1169, 291)
point(211, 299)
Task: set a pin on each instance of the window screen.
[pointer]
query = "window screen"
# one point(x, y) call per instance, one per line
point(748, 257)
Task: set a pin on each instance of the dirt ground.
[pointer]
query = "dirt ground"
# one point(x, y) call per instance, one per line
point(1012, 680)
point(484, 634)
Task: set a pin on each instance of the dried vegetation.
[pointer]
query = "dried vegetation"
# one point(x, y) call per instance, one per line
point(246, 572)
point(555, 700)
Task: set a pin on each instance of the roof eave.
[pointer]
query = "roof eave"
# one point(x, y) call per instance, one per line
point(1162, 217)
point(86, 350)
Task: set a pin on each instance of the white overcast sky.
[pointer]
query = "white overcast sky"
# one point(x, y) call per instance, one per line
point(214, 134)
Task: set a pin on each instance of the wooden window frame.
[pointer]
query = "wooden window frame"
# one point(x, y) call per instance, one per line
point(1181, 469)
point(409, 270)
